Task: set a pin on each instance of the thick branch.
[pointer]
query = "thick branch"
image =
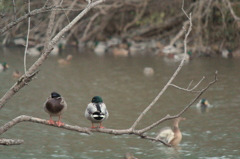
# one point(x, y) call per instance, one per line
point(9, 142)
point(24, 118)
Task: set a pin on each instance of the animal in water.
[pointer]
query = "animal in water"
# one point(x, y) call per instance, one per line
point(101, 48)
point(203, 105)
point(96, 111)
point(171, 136)
point(16, 74)
point(3, 66)
point(171, 49)
point(35, 51)
point(66, 60)
point(227, 53)
point(148, 71)
point(55, 105)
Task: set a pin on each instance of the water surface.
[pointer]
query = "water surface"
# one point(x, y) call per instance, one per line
point(126, 92)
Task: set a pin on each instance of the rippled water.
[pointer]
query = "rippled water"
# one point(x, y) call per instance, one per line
point(126, 92)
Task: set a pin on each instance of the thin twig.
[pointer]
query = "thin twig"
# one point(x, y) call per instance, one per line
point(49, 29)
point(14, 9)
point(188, 88)
point(26, 47)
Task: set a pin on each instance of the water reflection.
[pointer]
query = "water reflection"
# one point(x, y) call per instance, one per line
point(126, 92)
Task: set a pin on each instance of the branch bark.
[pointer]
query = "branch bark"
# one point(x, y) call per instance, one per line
point(10, 142)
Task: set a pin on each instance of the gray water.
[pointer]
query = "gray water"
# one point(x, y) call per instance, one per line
point(126, 92)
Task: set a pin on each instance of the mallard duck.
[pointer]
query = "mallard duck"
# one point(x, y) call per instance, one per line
point(203, 103)
point(16, 74)
point(203, 106)
point(171, 136)
point(3, 66)
point(66, 60)
point(148, 71)
point(96, 111)
point(171, 49)
point(35, 51)
point(120, 52)
point(226, 53)
point(55, 106)
point(101, 48)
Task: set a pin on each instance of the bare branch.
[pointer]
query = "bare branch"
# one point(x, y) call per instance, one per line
point(24, 118)
point(26, 47)
point(14, 9)
point(10, 142)
point(50, 27)
point(188, 89)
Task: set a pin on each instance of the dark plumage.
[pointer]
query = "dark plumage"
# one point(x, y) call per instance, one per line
point(55, 106)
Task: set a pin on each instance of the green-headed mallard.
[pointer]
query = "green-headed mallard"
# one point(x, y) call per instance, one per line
point(203, 103)
point(55, 106)
point(3, 66)
point(96, 111)
point(203, 106)
point(171, 136)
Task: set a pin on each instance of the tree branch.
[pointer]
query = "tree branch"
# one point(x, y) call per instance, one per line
point(10, 142)
point(188, 89)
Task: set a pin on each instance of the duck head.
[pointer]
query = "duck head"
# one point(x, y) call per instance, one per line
point(55, 95)
point(204, 102)
point(5, 65)
point(97, 99)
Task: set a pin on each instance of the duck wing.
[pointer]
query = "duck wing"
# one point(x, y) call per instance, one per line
point(166, 134)
point(55, 106)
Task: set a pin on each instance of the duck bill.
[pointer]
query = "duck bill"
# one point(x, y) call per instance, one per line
point(206, 103)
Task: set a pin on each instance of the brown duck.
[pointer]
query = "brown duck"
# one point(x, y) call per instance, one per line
point(171, 136)
point(55, 106)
